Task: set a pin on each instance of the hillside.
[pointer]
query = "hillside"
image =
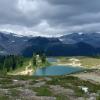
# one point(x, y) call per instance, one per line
point(47, 88)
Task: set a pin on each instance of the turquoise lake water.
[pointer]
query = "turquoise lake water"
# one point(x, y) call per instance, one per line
point(56, 70)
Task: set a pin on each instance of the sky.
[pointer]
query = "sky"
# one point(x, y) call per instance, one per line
point(49, 17)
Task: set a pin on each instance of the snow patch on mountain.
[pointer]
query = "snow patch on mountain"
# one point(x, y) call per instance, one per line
point(80, 33)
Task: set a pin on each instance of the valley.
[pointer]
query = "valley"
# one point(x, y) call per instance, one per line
point(90, 65)
point(49, 68)
point(49, 49)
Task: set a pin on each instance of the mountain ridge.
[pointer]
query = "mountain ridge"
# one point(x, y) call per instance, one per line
point(55, 46)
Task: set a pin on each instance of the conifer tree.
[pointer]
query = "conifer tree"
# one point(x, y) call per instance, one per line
point(43, 58)
point(34, 60)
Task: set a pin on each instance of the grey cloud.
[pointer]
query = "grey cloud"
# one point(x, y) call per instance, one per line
point(50, 16)
point(10, 14)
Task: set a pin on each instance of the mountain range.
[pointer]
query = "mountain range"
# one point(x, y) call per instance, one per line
point(74, 44)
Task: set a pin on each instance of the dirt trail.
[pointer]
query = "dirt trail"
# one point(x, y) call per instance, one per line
point(28, 70)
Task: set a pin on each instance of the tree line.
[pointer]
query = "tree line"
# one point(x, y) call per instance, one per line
point(10, 63)
point(39, 60)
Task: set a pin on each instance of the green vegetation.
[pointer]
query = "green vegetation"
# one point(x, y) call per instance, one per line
point(98, 98)
point(14, 64)
point(3, 97)
point(59, 87)
point(5, 81)
point(34, 62)
point(39, 60)
point(90, 61)
point(15, 92)
point(86, 61)
point(10, 63)
point(61, 97)
point(26, 86)
point(43, 91)
point(73, 83)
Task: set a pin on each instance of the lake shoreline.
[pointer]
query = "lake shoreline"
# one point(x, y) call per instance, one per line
point(92, 75)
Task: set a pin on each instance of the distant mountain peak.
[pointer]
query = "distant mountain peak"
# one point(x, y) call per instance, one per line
point(17, 44)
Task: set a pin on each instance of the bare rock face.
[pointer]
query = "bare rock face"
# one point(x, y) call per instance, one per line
point(57, 89)
point(39, 84)
point(40, 98)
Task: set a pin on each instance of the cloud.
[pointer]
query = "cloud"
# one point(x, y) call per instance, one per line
point(49, 17)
